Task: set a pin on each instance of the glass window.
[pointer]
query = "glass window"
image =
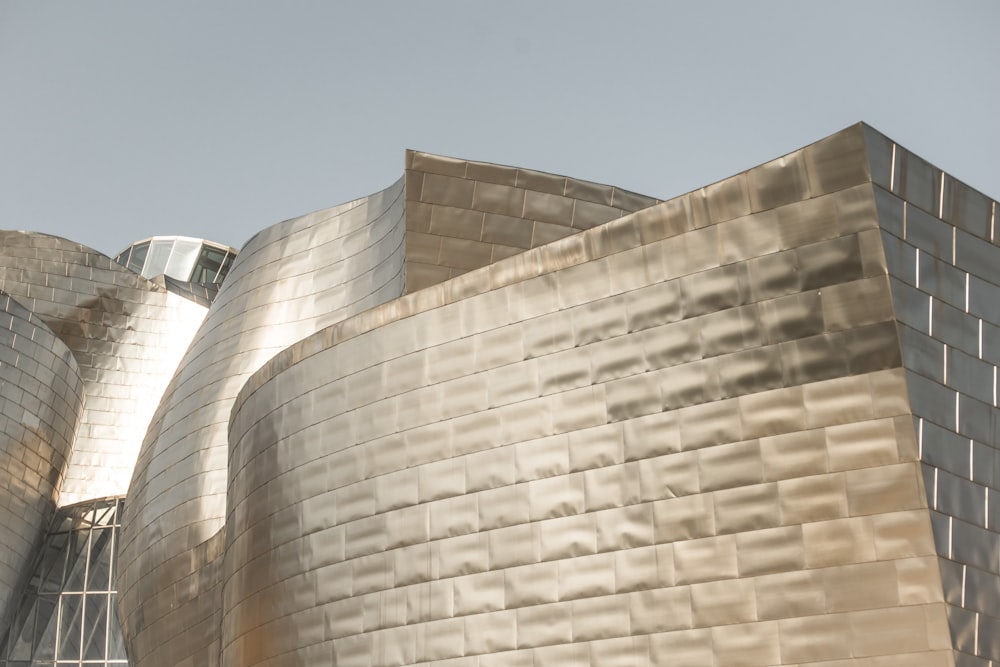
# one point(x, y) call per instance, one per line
point(70, 626)
point(81, 542)
point(226, 263)
point(25, 630)
point(77, 563)
point(50, 574)
point(209, 263)
point(159, 255)
point(182, 259)
point(100, 560)
point(123, 257)
point(104, 516)
point(137, 257)
point(45, 628)
point(95, 627)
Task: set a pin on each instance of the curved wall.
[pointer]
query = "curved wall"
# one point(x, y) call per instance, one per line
point(680, 438)
point(287, 282)
point(41, 403)
point(127, 335)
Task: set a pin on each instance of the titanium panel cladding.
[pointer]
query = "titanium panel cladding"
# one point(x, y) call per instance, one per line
point(41, 404)
point(940, 240)
point(681, 437)
point(127, 335)
point(752, 425)
point(462, 215)
point(287, 282)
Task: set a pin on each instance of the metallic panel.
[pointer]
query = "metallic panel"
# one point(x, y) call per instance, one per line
point(496, 416)
point(288, 281)
point(41, 405)
point(938, 239)
point(537, 463)
point(476, 213)
point(126, 334)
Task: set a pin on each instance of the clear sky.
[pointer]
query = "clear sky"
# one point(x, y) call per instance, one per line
point(125, 119)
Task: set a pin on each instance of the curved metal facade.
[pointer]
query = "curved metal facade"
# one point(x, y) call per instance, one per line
point(681, 438)
point(41, 403)
point(127, 335)
point(287, 282)
point(491, 416)
point(735, 428)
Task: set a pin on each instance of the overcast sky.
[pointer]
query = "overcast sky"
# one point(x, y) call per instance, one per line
point(122, 120)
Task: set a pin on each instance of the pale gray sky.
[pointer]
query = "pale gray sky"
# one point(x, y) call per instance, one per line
point(121, 120)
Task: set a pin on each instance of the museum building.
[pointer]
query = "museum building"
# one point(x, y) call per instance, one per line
point(494, 416)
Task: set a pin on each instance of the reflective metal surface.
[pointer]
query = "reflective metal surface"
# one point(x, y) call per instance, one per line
point(126, 334)
point(41, 403)
point(463, 215)
point(940, 244)
point(287, 282)
point(684, 437)
point(491, 416)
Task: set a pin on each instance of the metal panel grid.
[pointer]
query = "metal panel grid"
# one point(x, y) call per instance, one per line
point(940, 242)
point(127, 335)
point(676, 451)
point(684, 436)
point(463, 215)
point(41, 404)
point(288, 281)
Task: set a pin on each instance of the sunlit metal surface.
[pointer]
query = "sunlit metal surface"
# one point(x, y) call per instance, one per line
point(753, 425)
point(462, 215)
point(66, 613)
point(684, 437)
point(287, 282)
point(41, 403)
point(127, 335)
